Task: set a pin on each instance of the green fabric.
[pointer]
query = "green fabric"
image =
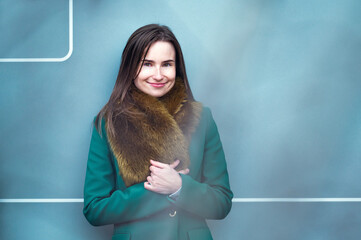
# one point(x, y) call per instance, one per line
point(142, 214)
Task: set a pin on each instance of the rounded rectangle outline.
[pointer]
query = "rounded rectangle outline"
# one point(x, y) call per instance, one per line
point(62, 59)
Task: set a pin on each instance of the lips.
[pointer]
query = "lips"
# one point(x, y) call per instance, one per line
point(157, 85)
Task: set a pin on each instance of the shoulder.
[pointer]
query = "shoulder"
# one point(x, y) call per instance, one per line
point(207, 120)
point(99, 125)
point(205, 114)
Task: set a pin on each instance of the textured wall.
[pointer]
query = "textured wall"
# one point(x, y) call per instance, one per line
point(281, 77)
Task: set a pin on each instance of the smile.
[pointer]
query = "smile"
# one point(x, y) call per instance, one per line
point(157, 85)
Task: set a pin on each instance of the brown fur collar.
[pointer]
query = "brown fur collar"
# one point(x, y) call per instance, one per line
point(160, 131)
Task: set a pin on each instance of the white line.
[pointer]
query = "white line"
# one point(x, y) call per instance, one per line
point(235, 200)
point(62, 59)
point(265, 200)
point(41, 200)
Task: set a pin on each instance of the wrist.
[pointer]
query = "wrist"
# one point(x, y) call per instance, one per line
point(175, 195)
point(178, 184)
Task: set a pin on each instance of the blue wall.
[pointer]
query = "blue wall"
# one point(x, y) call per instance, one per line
point(281, 77)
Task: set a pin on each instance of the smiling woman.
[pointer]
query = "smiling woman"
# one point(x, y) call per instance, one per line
point(158, 72)
point(156, 167)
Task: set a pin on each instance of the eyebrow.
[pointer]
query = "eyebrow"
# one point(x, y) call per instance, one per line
point(169, 60)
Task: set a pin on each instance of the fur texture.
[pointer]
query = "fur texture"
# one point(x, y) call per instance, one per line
point(160, 131)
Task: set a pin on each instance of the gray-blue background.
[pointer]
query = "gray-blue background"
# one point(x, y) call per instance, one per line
point(281, 77)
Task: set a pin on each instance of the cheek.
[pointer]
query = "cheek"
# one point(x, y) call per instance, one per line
point(144, 73)
point(139, 81)
point(136, 82)
point(143, 76)
point(171, 73)
point(172, 85)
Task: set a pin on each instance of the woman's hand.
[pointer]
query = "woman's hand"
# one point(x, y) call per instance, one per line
point(163, 178)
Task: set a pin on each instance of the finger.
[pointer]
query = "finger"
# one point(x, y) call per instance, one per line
point(184, 171)
point(155, 179)
point(152, 169)
point(155, 170)
point(148, 186)
point(150, 180)
point(158, 164)
point(174, 164)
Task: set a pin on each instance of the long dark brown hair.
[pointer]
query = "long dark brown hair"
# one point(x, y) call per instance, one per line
point(133, 55)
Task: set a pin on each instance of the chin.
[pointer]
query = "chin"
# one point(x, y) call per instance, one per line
point(157, 93)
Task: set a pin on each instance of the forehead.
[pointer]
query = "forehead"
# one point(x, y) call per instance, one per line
point(161, 50)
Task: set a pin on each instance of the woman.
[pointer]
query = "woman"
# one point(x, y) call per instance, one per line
point(156, 167)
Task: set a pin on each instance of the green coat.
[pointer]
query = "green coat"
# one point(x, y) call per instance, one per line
point(138, 213)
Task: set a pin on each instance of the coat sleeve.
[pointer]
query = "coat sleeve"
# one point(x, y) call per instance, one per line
point(211, 198)
point(103, 203)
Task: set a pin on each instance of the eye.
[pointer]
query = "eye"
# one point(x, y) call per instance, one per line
point(168, 64)
point(147, 64)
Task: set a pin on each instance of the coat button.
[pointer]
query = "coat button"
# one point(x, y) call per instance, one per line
point(173, 214)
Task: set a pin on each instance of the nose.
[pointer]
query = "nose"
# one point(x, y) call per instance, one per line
point(158, 76)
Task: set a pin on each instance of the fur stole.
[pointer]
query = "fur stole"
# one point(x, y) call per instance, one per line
point(161, 131)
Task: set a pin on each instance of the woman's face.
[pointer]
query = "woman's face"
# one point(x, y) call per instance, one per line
point(158, 72)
